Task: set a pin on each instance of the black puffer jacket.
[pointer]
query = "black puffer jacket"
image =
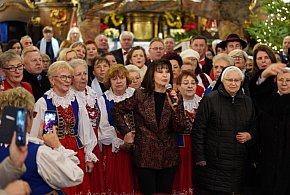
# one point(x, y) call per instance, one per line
point(218, 120)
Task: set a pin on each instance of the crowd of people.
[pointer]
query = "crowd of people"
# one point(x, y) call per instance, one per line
point(201, 121)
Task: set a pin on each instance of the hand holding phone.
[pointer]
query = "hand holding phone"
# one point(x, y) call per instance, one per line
point(50, 119)
point(17, 154)
point(21, 118)
point(13, 119)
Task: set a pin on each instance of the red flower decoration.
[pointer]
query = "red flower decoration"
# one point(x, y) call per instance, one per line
point(103, 27)
point(190, 26)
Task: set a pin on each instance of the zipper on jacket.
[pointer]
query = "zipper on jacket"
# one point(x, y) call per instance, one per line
point(233, 99)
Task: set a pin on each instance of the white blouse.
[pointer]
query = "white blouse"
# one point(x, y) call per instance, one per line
point(191, 105)
point(85, 130)
point(96, 87)
point(143, 71)
point(107, 133)
point(57, 167)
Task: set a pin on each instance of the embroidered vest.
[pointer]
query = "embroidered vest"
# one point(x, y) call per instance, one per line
point(62, 132)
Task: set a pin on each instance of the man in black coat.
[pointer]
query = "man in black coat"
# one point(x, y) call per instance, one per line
point(126, 41)
point(33, 73)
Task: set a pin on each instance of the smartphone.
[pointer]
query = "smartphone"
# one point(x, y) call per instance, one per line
point(21, 118)
point(13, 119)
point(50, 119)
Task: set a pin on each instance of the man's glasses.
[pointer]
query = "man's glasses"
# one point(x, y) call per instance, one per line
point(14, 68)
point(157, 48)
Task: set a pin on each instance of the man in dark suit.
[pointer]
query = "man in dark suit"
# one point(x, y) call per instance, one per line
point(199, 44)
point(33, 73)
point(126, 41)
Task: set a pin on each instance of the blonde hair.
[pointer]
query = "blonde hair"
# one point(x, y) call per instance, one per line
point(64, 52)
point(74, 30)
point(59, 65)
point(29, 49)
point(17, 97)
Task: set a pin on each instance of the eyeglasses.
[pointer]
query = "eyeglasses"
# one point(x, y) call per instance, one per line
point(187, 83)
point(14, 68)
point(157, 48)
point(237, 57)
point(65, 77)
point(281, 80)
point(233, 80)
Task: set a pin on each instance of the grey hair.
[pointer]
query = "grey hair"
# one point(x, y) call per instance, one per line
point(78, 62)
point(236, 51)
point(225, 57)
point(8, 56)
point(124, 33)
point(133, 68)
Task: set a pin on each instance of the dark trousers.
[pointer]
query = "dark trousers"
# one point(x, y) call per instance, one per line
point(156, 181)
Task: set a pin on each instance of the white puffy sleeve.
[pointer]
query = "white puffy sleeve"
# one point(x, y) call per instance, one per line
point(87, 134)
point(58, 167)
point(38, 111)
point(106, 132)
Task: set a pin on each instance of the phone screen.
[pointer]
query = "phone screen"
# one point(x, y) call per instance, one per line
point(50, 119)
point(13, 119)
point(21, 117)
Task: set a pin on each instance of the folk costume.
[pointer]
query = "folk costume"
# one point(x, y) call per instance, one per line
point(183, 183)
point(74, 131)
point(48, 170)
point(119, 178)
point(88, 97)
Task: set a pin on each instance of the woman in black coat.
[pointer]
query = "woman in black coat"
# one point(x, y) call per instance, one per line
point(273, 127)
point(223, 128)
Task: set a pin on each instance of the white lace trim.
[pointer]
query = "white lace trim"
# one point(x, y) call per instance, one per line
point(61, 101)
point(87, 97)
point(192, 104)
point(111, 96)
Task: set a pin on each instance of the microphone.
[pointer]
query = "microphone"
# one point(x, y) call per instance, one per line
point(168, 87)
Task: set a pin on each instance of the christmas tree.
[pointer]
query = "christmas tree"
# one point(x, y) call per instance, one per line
point(274, 27)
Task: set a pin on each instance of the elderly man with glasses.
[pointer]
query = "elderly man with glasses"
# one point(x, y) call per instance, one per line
point(156, 49)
